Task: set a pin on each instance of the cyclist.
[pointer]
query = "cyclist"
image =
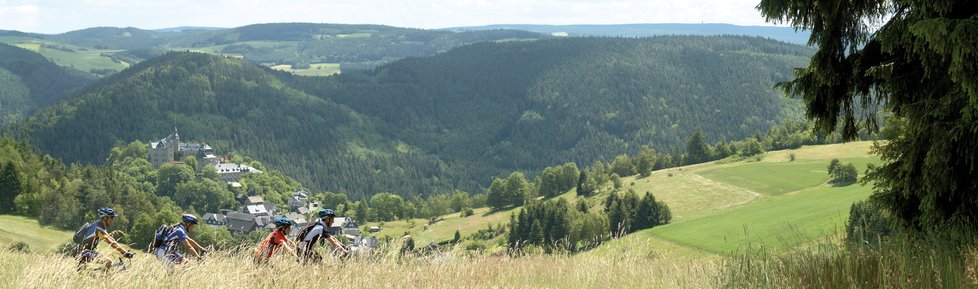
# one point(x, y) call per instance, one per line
point(309, 237)
point(95, 233)
point(275, 240)
point(168, 252)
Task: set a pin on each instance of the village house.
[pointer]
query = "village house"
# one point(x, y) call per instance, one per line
point(213, 219)
point(299, 199)
point(346, 226)
point(240, 222)
point(231, 172)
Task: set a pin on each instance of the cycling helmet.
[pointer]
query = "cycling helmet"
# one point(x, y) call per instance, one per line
point(326, 213)
point(188, 218)
point(106, 212)
point(283, 222)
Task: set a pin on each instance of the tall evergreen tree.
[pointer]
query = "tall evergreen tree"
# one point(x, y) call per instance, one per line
point(920, 64)
point(697, 150)
point(10, 187)
point(617, 218)
point(582, 185)
point(646, 215)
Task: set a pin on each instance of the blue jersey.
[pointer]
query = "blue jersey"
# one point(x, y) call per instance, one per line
point(177, 235)
point(94, 234)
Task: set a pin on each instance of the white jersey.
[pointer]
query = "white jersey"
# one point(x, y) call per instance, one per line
point(315, 232)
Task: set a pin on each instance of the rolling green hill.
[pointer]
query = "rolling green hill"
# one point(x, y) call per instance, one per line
point(435, 124)
point(29, 82)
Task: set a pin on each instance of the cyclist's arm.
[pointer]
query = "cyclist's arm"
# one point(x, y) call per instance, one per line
point(112, 242)
point(288, 246)
point(336, 244)
point(192, 242)
point(186, 243)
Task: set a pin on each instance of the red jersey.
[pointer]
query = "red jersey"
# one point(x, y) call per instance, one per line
point(268, 247)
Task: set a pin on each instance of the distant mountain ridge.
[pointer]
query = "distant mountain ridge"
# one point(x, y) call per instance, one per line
point(299, 45)
point(786, 34)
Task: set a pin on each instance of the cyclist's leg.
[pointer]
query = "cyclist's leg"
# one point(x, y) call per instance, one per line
point(174, 258)
point(84, 257)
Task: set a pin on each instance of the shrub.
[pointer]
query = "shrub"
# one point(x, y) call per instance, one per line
point(475, 245)
point(842, 174)
point(868, 223)
point(20, 246)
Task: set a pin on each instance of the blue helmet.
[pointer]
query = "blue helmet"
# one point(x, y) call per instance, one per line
point(106, 212)
point(188, 218)
point(283, 222)
point(326, 213)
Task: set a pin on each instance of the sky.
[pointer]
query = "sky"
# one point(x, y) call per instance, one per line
point(56, 16)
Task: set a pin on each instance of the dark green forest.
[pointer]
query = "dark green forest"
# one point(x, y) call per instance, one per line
point(28, 82)
point(429, 125)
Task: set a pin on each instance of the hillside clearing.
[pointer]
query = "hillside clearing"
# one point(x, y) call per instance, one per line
point(19, 229)
point(777, 222)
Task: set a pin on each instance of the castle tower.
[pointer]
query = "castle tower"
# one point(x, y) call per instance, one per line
point(176, 145)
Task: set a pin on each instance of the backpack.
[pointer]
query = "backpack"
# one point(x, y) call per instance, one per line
point(301, 235)
point(160, 235)
point(79, 236)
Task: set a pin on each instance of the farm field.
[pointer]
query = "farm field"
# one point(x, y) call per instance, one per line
point(79, 58)
point(316, 69)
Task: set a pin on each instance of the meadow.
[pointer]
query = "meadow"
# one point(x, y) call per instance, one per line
point(19, 229)
point(76, 57)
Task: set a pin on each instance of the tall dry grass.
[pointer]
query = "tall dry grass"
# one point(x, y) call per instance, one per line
point(898, 262)
point(453, 269)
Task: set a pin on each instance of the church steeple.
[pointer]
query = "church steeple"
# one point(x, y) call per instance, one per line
point(176, 135)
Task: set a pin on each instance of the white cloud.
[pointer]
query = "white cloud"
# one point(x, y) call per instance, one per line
point(25, 16)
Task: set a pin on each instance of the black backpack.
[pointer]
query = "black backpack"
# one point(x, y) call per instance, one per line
point(160, 235)
point(79, 236)
point(301, 235)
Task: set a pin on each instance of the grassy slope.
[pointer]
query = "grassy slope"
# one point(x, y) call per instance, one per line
point(83, 59)
point(792, 205)
point(784, 203)
point(15, 229)
point(774, 223)
point(445, 228)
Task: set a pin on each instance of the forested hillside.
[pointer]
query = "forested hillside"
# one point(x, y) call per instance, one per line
point(427, 125)
point(786, 34)
point(28, 82)
point(234, 106)
point(495, 107)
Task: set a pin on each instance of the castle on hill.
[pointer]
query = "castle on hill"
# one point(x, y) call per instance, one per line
point(170, 150)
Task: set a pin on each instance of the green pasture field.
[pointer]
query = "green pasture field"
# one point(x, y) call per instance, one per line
point(774, 223)
point(19, 229)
